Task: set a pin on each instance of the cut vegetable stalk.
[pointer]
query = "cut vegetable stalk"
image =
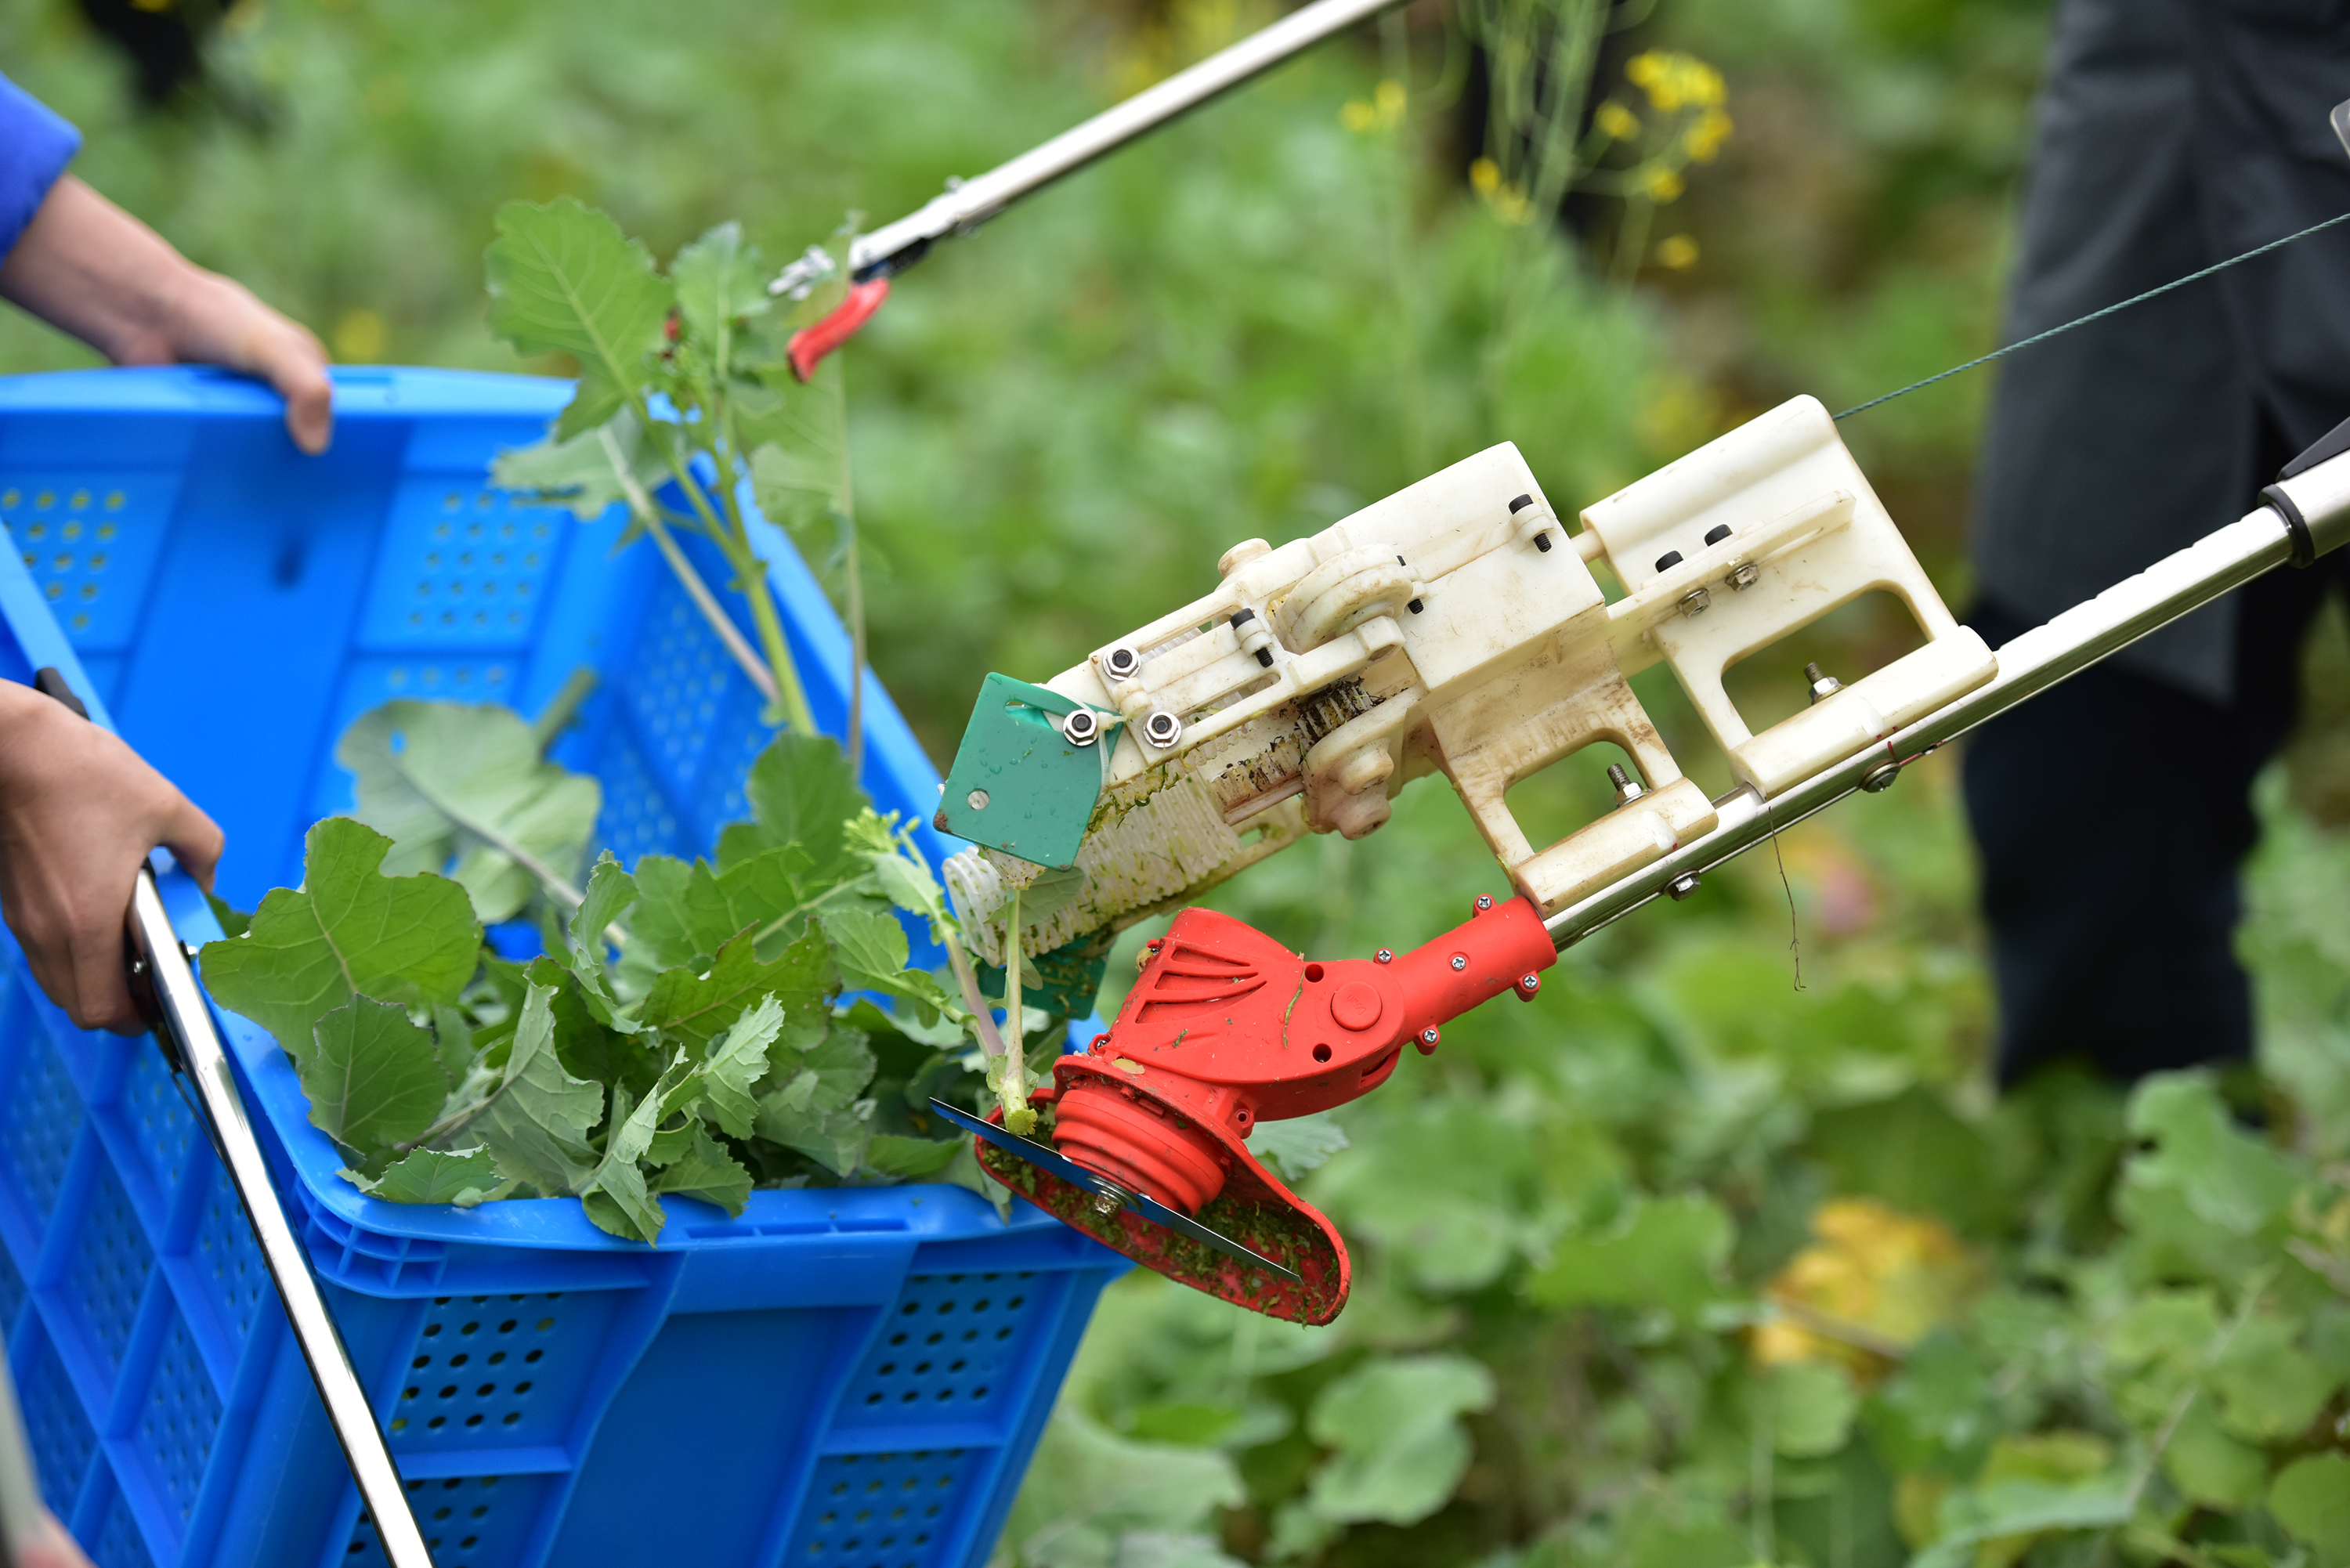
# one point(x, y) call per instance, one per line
point(1008, 1075)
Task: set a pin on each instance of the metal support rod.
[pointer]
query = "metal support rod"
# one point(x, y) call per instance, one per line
point(200, 1052)
point(2031, 663)
point(967, 204)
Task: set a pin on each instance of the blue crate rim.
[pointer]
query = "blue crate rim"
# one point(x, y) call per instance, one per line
point(208, 392)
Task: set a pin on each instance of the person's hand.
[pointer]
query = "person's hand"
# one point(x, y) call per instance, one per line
point(52, 1548)
point(79, 812)
point(88, 268)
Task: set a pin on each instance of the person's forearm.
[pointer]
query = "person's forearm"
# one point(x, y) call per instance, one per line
point(88, 268)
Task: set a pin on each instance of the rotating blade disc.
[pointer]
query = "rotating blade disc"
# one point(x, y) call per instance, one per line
point(1061, 1167)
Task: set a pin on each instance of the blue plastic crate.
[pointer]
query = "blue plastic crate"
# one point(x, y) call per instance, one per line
point(839, 1379)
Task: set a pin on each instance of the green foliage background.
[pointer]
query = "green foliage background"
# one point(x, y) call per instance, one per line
point(2078, 1330)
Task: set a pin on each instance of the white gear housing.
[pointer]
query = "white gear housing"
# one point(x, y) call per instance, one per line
point(1454, 627)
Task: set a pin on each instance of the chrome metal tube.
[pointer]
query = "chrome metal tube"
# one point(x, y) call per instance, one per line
point(2030, 663)
point(967, 204)
point(205, 1060)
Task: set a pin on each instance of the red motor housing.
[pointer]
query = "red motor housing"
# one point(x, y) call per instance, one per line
point(1226, 1028)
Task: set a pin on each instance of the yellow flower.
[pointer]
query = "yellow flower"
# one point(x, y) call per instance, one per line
point(1676, 251)
point(1358, 117)
point(1617, 121)
point(1674, 81)
point(359, 337)
point(1485, 176)
point(1706, 134)
point(1661, 184)
point(1877, 1274)
point(1390, 99)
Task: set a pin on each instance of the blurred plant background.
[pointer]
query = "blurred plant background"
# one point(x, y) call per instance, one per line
point(1703, 1258)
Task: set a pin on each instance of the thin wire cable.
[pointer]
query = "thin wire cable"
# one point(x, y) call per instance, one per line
point(2096, 314)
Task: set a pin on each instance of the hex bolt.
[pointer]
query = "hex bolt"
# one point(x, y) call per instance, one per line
point(1879, 779)
point(1823, 683)
point(1693, 602)
point(1081, 727)
point(1744, 574)
point(1162, 729)
point(1121, 663)
point(1385, 955)
point(1460, 961)
point(978, 799)
point(1681, 887)
point(1108, 1203)
point(1627, 788)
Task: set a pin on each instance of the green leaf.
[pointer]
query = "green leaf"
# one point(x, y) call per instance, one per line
point(1400, 1448)
point(578, 471)
point(692, 1008)
point(1811, 1409)
point(822, 1072)
point(2021, 1507)
point(2311, 1498)
point(720, 281)
point(2268, 1389)
point(234, 921)
point(828, 1134)
point(705, 1170)
point(535, 1129)
point(2227, 1178)
point(737, 1061)
point(463, 1176)
point(1291, 1149)
point(1663, 1251)
point(871, 948)
point(802, 797)
point(2209, 1466)
point(562, 279)
point(615, 1194)
point(347, 930)
point(449, 781)
point(908, 1159)
point(373, 1078)
point(2173, 1326)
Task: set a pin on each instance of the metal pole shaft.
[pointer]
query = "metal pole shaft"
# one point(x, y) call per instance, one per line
point(968, 204)
point(189, 1024)
point(2031, 663)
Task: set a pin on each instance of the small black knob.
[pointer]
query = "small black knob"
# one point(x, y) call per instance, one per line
point(1717, 534)
point(1520, 505)
point(1668, 560)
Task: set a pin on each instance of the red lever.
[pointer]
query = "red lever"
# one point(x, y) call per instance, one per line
point(810, 344)
point(1227, 1028)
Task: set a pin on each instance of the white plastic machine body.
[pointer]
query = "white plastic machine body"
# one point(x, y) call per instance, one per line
point(1456, 627)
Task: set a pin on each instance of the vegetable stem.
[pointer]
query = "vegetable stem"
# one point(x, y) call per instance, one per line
point(1011, 1071)
point(695, 589)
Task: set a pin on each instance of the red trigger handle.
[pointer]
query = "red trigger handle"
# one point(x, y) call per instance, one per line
point(809, 345)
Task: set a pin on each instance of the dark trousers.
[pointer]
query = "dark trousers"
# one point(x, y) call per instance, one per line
point(2113, 814)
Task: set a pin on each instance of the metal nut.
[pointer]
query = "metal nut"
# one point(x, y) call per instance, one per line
point(1879, 779)
point(1681, 887)
point(1162, 729)
point(1121, 663)
point(1742, 576)
point(1081, 728)
point(1693, 602)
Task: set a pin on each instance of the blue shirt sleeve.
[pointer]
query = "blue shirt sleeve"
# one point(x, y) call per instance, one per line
point(36, 145)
